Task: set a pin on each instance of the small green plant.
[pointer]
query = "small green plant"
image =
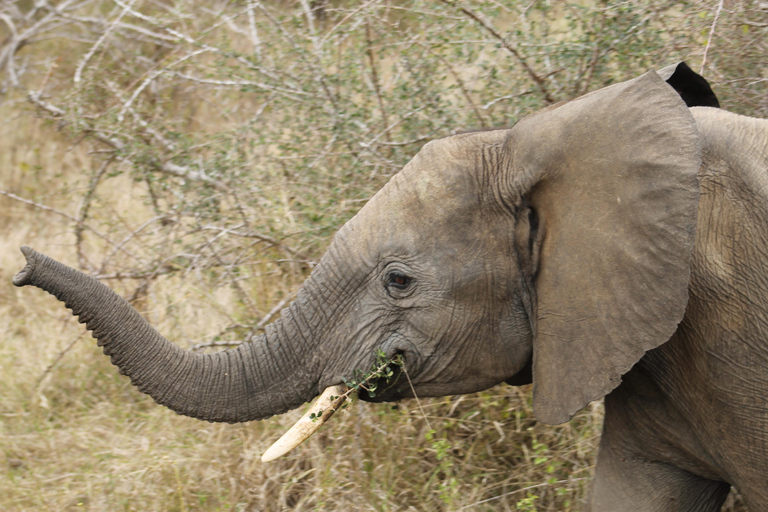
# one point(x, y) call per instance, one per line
point(448, 484)
point(382, 370)
point(528, 504)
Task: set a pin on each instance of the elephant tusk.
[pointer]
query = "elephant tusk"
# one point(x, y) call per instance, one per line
point(323, 408)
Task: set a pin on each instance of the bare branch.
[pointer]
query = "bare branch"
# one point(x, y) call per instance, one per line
point(506, 97)
point(252, 27)
point(152, 77)
point(375, 77)
point(128, 238)
point(272, 312)
point(9, 51)
point(82, 212)
point(188, 174)
point(375, 140)
point(346, 18)
point(257, 236)
point(35, 97)
point(711, 35)
point(62, 214)
point(193, 41)
point(460, 83)
point(98, 43)
point(154, 134)
point(291, 93)
point(147, 32)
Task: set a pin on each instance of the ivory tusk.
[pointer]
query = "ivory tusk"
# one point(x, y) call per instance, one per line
point(323, 408)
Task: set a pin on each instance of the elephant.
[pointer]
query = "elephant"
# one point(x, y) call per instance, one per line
point(614, 245)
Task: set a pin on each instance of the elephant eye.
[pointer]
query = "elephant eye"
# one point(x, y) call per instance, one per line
point(398, 280)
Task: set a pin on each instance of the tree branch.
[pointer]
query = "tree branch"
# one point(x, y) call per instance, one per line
point(164, 167)
point(711, 35)
point(540, 82)
point(66, 216)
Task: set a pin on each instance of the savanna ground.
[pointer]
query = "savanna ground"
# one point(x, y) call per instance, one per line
point(198, 156)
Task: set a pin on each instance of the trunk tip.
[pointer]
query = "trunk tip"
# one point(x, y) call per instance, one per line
point(25, 275)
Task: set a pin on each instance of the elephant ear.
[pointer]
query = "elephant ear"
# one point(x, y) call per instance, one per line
point(613, 178)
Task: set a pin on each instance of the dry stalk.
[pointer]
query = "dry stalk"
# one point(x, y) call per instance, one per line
point(53, 363)
point(375, 78)
point(711, 35)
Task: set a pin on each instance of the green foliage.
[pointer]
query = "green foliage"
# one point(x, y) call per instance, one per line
point(528, 503)
point(443, 476)
point(382, 370)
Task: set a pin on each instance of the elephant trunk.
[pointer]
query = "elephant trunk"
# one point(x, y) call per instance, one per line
point(269, 376)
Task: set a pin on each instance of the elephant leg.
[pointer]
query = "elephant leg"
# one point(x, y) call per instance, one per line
point(649, 486)
point(627, 481)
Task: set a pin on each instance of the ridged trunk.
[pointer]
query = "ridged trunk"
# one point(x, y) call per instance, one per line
point(256, 380)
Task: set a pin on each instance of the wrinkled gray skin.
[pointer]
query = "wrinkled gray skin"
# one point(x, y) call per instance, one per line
point(568, 246)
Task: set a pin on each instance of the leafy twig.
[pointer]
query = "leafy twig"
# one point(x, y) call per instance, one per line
point(380, 370)
point(163, 167)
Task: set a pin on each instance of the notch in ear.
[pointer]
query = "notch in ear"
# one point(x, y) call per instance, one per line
point(613, 177)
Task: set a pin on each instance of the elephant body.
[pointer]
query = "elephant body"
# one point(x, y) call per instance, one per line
point(691, 418)
point(612, 246)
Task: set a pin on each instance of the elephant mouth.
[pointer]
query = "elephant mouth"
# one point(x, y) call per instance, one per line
point(391, 383)
point(393, 380)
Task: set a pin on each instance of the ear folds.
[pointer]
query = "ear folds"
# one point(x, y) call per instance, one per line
point(613, 176)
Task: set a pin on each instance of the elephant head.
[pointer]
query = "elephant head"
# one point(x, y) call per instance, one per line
point(558, 251)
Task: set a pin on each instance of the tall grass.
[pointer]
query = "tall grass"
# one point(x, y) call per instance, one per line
point(200, 166)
